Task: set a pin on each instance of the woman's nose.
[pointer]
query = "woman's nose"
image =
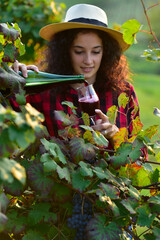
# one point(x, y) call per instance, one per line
point(87, 59)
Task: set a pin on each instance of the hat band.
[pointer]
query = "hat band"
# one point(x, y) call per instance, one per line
point(89, 21)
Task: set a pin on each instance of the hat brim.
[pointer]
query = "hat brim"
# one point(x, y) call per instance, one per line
point(50, 30)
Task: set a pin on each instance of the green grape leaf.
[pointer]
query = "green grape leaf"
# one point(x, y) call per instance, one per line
point(137, 126)
point(150, 131)
point(85, 118)
point(16, 223)
point(39, 180)
point(99, 139)
point(22, 136)
point(156, 231)
point(121, 158)
point(32, 234)
point(134, 193)
point(106, 174)
point(112, 114)
point(79, 182)
point(49, 164)
point(110, 190)
point(63, 117)
point(4, 202)
point(85, 169)
point(130, 204)
point(54, 150)
point(20, 97)
point(136, 152)
point(152, 55)
point(10, 170)
point(123, 100)
point(15, 188)
point(39, 212)
point(9, 33)
point(70, 105)
point(80, 150)
point(10, 53)
point(155, 176)
point(64, 173)
point(20, 47)
point(158, 157)
point(145, 218)
point(97, 229)
point(130, 28)
point(3, 221)
point(155, 199)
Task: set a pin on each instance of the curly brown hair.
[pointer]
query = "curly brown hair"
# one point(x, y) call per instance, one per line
point(113, 72)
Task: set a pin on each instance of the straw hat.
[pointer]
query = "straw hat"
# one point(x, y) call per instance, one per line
point(83, 16)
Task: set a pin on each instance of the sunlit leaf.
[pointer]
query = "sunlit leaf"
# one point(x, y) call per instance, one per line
point(110, 190)
point(112, 114)
point(150, 131)
point(152, 55)
point(137, 126)
point(120, 137)
point(9, 32)
point(85, 118)
point(89, 136)
point(158, 157)
point(100, 140)
point(123, 100)
point(64, 173)
point(130, 204)
point(97, 229)
point(130, 28)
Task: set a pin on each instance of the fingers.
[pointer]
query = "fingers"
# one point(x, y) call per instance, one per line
point(23, 68)
point(101, 115)
point(104, 126)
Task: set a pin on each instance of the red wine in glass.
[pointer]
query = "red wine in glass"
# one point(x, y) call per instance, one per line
point(88, 100)
point(89, 105)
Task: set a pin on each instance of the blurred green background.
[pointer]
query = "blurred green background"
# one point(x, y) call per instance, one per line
point(31, 15)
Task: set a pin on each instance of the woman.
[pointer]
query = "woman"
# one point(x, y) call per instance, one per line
point(83, 44)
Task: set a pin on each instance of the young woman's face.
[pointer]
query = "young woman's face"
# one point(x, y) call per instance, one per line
point(86, 55)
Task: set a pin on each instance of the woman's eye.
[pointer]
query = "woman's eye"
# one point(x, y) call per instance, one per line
point(96, 52)
point(78, 52)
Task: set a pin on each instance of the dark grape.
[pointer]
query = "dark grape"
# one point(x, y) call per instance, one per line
point(82, 213)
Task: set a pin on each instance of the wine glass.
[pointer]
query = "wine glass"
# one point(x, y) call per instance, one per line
point(88, 101)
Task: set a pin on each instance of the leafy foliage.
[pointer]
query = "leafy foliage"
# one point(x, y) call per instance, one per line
point(31, 16)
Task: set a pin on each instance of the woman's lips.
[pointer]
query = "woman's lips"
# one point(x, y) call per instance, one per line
point(87, 69)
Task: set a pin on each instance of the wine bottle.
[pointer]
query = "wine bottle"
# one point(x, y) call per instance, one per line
point(40, 81)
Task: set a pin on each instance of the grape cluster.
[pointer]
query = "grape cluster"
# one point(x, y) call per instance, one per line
point(82, 213)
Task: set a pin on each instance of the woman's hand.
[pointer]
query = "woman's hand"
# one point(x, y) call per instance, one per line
point(23, 68)
point(104, 126)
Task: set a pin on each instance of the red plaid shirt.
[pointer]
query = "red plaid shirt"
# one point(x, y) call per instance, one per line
point(48, 101)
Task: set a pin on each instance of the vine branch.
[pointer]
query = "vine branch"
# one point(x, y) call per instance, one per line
point(149, 24)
